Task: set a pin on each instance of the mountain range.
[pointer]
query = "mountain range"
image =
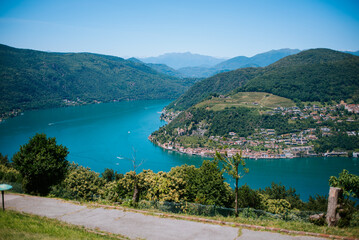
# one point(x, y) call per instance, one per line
point(192, 67)
point(33, 79)
point(186, 59)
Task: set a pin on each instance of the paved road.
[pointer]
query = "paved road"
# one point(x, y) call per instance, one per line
point(133, 225)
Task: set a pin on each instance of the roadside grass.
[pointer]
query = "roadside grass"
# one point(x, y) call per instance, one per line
point(260, 100)
point(14, 226)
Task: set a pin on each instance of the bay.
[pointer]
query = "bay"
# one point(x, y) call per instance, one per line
point(105, 135)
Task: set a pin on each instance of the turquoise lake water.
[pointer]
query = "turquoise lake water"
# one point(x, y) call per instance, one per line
point(96, 135)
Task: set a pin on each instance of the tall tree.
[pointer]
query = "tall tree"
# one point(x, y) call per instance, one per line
point(135, 164)
point(235, 167)
point(42, 163)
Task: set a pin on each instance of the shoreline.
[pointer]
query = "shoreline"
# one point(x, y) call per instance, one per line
point(249, 154)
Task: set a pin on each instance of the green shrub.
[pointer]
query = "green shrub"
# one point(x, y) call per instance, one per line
point(276, 206)
point(317, 203)
point(42, 163)
point(84, 183)
point(80, 183)
point(248, 197)
point(9, 174)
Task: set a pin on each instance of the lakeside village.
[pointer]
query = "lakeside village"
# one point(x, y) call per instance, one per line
point(290, 145)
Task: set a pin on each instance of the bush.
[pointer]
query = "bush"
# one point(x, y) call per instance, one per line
point(248, 197)
point(279, 191)
point(82, 183)
point(276, 206)
point(9, 174)
point(42, 163)
point(317, 203)
point(110, 175)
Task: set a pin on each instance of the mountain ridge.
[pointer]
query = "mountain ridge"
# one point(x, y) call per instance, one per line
point(186, 59)
point(33, 79)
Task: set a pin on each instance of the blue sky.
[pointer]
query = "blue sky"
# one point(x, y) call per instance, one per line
point(140, 28)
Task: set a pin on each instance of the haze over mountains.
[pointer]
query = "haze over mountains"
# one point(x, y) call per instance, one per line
point(199, 66)
point(180, 60)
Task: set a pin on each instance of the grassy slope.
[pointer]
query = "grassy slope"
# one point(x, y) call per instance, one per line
point(259, 100)
point(222, 83)
point(14, 226)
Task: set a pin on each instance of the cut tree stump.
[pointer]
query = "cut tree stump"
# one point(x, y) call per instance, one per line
point(332, 217)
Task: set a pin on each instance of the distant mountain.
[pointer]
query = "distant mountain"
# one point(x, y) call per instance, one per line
point(312, 75)
point(162, 68)
point(180, 60)
point(32, 79)
point(354, 53)
point(198, 72)
point(259, 60)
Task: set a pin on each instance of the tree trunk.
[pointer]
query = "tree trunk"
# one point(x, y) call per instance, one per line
point(236, 199)
point(135, 191)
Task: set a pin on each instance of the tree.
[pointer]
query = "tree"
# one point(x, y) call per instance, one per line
point(42, 163)
point(349, 183)
point(204, 185)
point(232, 166)
point(4, 160)
point(110, 175)
point(135, 165)
point(346, 181)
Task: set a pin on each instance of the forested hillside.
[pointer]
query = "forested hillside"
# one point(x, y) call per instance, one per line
point(312, 75)
point(219, 84)
point(32, 79)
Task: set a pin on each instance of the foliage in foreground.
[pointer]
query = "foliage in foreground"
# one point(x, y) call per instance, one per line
point(348, 182)
point(15, 226)
point(42, 163)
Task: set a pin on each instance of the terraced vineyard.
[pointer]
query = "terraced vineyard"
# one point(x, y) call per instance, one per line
point(261, 100)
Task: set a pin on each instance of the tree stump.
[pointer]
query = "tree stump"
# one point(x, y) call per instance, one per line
point(332, 217)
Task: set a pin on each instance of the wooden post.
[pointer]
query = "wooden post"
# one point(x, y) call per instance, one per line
point(3, 203)
point(332, 206)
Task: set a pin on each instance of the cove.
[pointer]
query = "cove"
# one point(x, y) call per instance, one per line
point(102, 136)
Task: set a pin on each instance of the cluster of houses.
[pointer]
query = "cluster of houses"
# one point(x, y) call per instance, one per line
point(319, 114)
point(303, 151)
point(78, 102)
point(13, 113)
point(268, 138)
point(266, 143)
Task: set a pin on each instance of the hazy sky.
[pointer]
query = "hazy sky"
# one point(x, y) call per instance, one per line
point(141, 28)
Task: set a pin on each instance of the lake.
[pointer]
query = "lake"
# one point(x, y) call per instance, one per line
point(103, 136)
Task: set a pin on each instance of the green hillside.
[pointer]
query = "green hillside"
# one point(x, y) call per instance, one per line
point(313, 75)
point(219, 84)
point(32, 79)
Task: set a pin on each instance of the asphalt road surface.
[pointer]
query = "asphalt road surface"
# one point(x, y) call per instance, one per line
point(134, 225)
